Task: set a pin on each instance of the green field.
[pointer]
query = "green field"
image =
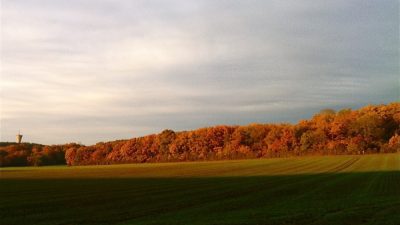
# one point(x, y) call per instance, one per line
point(304, 190)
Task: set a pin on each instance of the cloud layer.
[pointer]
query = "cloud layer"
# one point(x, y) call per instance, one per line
point(92, 71)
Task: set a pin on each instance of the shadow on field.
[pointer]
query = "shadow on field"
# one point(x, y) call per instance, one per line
point(330, 198)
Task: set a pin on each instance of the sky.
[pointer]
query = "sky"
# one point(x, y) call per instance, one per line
point(99, 70)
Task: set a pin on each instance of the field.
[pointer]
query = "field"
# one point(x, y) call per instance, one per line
point(304, 190)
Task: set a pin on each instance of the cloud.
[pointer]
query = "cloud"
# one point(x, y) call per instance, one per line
point(90, 71)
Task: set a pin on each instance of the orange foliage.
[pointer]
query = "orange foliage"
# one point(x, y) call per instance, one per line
point(371, 129)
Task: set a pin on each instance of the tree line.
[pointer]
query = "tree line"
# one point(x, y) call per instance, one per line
point(31, 154)
point(372, 129)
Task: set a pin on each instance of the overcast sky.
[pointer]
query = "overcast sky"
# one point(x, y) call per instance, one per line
point(98, 70)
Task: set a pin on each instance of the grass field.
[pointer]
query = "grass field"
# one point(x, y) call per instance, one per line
point(304, 190)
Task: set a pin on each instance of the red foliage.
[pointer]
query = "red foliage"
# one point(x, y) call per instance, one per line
point(371, 129)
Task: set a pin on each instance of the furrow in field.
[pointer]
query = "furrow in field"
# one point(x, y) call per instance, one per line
point(344, 165)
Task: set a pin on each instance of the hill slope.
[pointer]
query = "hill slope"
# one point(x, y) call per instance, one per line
point(302, 190)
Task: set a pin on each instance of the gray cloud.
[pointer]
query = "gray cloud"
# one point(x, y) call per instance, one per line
point(90, 71)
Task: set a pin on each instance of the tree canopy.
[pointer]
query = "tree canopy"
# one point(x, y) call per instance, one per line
point(372, 129)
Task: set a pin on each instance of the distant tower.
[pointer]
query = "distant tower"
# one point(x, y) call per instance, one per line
point(19, 137)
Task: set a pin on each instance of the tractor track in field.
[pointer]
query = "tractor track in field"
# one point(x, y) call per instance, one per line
point(344, 165)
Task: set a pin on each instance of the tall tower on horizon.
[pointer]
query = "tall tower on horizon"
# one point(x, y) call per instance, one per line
point(19, 137)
